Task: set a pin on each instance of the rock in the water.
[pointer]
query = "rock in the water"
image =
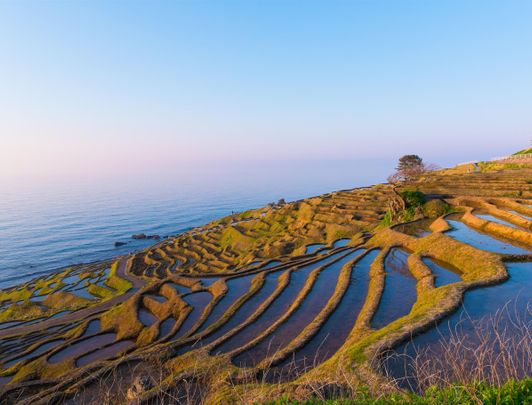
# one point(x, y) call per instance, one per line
point(141, 384)
point(156, 237)
point(139, 236)
point(117, 244)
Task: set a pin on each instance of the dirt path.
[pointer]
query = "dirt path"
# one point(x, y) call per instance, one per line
point(122, 271)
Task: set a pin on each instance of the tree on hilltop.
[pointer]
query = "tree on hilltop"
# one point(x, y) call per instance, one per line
point(410, 167)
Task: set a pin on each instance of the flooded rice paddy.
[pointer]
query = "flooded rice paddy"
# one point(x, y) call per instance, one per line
point(418, 228)
point(443, 273)
point(236, 287)
point(165, 327)
point(146, 317)
point(35, 352)
point(92, 328)
point(482, 241)
point(304, 314)
point(314, 248)
point(243, 312)
point(298, 277)
point(492, 218)
point(399, 293)
point(105, 353)
point(198, 301)
point(180, 289)
point(335, 330)
point(81, 347)
point(506, 308)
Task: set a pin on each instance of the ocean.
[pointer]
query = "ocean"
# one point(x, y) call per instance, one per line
point(49, 225)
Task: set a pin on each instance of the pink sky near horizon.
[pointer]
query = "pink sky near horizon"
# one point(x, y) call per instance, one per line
point(68, 157)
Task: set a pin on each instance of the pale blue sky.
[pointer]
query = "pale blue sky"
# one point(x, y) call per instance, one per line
point(89, 86)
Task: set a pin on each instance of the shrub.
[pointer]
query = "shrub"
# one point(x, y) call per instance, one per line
point(413, 198)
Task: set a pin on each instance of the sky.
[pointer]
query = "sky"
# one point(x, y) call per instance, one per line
point(96, 87)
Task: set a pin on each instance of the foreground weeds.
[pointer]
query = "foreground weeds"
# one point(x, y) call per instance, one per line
point(512, 392)
point(492, 350)
point(485, 362)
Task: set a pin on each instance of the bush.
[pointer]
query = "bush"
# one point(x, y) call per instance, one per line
point(413, 198)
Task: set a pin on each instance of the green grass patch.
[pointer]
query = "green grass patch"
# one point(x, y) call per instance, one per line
point(510, 393)
point(386, 221)
point(495, 166)
point(100, 292)
point(246, 214)
point(235, 239)
point(117, 283)
point(413, 198)
point(15, 295)
point(524, 152)
point(25, 310)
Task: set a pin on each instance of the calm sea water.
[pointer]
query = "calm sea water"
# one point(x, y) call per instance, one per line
point(50, 225)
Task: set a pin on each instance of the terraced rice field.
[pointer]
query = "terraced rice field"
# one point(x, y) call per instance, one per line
point(503, 307)
point(269, 300)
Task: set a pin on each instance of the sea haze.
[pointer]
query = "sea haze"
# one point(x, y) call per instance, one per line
point(45, 225)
